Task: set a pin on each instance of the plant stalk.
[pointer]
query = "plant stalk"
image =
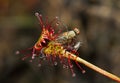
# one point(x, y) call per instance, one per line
point(93, 67)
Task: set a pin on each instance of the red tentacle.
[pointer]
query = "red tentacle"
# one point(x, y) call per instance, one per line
point(39, 16)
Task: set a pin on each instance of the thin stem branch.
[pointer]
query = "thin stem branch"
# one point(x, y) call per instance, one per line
point(95, 68)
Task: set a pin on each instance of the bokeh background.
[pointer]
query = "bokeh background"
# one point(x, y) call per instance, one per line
point(98, 21)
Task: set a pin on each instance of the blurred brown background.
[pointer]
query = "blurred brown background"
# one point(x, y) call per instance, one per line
point(98, 20)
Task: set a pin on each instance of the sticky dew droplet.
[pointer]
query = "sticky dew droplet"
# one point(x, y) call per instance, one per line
point(39, 65)
point(44, 58)
point(83, 71)
point(17, 52)
point(55, 63)
point(71, 66)
point(64, 66)
point(30, 61)
point(73, 75)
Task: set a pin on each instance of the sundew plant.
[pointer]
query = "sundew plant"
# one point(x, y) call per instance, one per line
point(54, 44)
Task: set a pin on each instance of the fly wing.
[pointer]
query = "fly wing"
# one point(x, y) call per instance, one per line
point(68, 40)
point(77, 45)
